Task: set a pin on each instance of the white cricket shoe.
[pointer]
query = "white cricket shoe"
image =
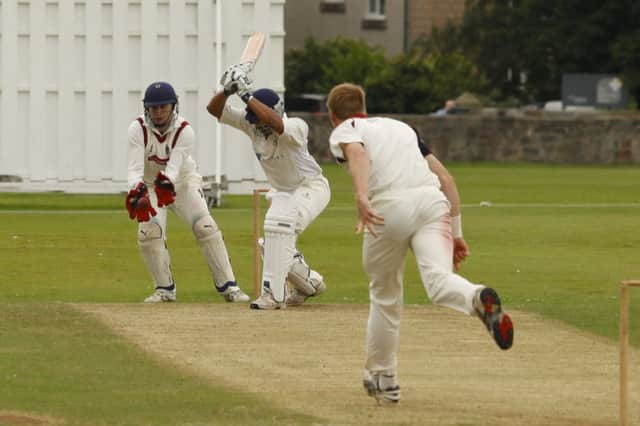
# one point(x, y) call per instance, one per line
point(232, 293)
point(382, 386)
point(161, 295)
point(297, 298)
point(267, 302)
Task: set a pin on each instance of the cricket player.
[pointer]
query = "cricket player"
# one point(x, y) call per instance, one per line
point(299, 191)
point(401, 206)
point(162, 175)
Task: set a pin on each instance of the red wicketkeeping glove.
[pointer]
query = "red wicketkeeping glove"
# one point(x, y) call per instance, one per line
point(165, 190)
point(138, 204)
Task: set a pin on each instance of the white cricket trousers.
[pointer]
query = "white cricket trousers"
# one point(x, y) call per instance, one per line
point(418, 220)
point(190, 204)
point(310, 199)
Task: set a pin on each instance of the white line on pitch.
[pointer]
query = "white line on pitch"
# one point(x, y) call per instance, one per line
point(347, 208)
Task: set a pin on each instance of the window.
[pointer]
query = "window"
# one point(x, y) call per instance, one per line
point(377, 7)
point(332, 6)
point(375, 18)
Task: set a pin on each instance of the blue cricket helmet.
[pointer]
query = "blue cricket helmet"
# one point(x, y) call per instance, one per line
point(270, 99)
point(159, 93)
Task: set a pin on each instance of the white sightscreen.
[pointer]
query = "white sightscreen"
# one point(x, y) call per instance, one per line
point(73, 73)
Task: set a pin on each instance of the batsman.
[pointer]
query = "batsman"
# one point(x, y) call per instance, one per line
point(299, 191)
point(162, 175)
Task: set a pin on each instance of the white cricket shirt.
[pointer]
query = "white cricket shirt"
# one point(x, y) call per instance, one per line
point(284, 158)
point(149, 153)
point(396, 164)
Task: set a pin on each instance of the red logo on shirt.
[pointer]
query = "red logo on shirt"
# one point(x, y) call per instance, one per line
point(158, 160)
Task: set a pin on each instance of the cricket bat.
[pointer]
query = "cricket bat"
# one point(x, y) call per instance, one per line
point(253, 48)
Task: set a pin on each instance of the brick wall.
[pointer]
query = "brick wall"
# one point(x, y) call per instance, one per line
point(424, 15)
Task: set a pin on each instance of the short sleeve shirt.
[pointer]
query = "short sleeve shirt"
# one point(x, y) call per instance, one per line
point(396, 163)
point(285, 158)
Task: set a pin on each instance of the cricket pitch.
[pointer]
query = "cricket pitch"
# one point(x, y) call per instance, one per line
point(309, 359)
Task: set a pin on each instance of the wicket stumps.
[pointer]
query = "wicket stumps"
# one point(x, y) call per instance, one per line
point(257, 219)
point(624, 349)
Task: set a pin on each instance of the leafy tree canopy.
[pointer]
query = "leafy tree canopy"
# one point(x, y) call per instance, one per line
point(525, 46)
point(416, 82)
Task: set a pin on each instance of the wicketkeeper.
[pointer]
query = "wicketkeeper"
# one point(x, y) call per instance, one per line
point(163, 176)
point(299, 192)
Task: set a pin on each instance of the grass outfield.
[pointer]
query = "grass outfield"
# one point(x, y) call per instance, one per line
point(555, 241)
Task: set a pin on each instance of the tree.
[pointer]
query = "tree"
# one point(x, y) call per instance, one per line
point(539, 40)
point(416, 82)
point(318, 67)
point(419, 82)
point(626, 52)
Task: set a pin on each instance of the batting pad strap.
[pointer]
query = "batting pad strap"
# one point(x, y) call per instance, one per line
point(456, 226)
point(154, 253)
point(300, 276)
point(213, 249)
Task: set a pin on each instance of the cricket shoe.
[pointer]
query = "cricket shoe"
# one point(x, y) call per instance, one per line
point(232, 293)
point(382, 387)
point(488, 307)
point(162, 295)
point(266, 301)
point(297, 298)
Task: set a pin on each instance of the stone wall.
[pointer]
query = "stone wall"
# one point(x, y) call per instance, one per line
point(515, 136)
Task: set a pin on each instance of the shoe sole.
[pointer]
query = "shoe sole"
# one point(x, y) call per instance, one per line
point(296, 303)
point(496, 320)
point(238, 300)
point(264, 308)
point(163, 299)
point(321, 289)
point(379, 396)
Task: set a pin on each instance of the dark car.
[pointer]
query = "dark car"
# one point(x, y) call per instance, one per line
point(307, 102)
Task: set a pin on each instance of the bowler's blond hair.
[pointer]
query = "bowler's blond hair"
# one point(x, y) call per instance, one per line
point(347, 100)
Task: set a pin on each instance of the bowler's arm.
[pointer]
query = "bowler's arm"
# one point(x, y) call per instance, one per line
point(447, 183)
point(358, 164)
point(450, 190)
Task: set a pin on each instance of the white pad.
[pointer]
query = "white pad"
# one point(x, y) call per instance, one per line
point(279, 244)
point(155, 253)
point(213, 249)
point(302, 277)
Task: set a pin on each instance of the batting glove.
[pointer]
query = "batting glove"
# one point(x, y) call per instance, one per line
point(245, 89)
point(233, 74)
point(229, 82)
point(165, 191)
point(138, 204)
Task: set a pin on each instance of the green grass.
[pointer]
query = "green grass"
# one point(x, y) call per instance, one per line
point(58, 362)
point(563, 262)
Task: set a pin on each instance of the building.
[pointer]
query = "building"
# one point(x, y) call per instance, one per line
point(390, 24)
point(426, 15)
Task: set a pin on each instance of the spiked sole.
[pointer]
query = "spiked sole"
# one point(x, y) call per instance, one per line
point(497, 322)
point(266, 308)
point(389, 396)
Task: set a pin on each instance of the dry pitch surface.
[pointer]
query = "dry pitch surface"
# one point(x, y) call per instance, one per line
point(309, 359)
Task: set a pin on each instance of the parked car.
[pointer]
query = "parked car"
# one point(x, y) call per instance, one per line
point(307, 102)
